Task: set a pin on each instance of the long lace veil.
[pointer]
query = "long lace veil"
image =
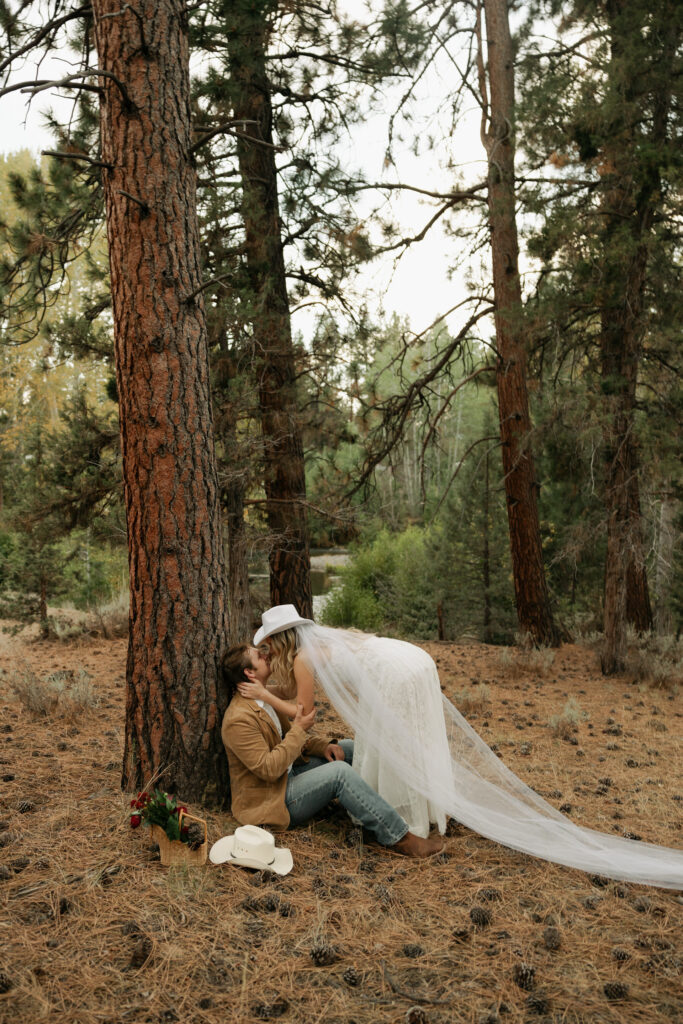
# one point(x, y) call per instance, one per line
point(389, 695)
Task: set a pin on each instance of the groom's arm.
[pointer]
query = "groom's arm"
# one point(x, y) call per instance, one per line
point(316, 745)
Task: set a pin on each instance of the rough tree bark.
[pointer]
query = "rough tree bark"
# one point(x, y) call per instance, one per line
point(177, 607)
point(285, 482)
point(521, 486)
point(631, 174)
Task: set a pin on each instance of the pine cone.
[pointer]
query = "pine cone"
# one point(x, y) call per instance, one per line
point(141, 952)
point(351, 977)
point(323, 954)
point(416, 1015)
point(537, 1004)
point(480, 916)
point(490, 894)
point(620, 955)
point(412, 950)
point(524, 976)
point(6, 982)
point(615, 990)
point(195, 835)
point(267, 1011)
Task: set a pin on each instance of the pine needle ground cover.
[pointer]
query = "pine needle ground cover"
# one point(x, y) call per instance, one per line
point(94, 930)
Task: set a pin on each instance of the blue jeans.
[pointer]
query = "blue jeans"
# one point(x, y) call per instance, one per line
point(312, 786)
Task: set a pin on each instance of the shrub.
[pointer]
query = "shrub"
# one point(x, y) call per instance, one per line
point(525, 659)
point(38, 696)
point(72, 692)
point(352, 605)
point(112, 618)
point(566, 724)
point(389, 586)
point(467, 701)
point(655, 660)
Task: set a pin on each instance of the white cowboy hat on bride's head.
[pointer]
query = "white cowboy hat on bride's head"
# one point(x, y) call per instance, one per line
point(277, 618)
point(252, 847)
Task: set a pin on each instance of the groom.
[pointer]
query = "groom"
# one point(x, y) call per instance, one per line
point(281, 776)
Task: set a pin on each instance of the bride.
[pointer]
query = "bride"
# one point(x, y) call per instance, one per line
point(418, 752)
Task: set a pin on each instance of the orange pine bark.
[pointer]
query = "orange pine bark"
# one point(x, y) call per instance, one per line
point(177, 606)
point(521, 486)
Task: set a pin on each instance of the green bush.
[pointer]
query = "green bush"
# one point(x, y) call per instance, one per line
point(351, 605)
point(388, 587)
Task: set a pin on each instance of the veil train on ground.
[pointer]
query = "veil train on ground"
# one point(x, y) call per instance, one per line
point(416, 749)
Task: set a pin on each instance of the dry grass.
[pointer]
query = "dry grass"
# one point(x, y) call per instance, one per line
point(95, 931)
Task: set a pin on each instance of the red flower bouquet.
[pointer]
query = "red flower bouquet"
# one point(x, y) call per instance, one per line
point(162, 810)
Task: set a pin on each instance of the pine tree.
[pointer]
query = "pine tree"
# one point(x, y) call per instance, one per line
point(177, 611)
point(521, 484)
point(608, 247)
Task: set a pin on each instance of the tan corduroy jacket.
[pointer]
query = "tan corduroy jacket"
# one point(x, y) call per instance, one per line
point(258, 760)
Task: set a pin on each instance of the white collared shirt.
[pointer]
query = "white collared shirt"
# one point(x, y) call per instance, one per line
point(276, 721)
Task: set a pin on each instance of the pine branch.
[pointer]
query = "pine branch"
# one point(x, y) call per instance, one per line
point(41, 86)
point(222, 129)
point(42, 33)
point(75, 156)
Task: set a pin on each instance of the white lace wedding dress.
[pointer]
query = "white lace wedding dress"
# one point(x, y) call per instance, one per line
point(416, 749)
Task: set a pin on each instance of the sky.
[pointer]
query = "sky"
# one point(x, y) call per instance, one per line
point(418, 286)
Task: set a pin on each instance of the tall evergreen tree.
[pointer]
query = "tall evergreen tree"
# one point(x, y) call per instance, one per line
point(521, 484)
point(608, 246)
point(177, 610)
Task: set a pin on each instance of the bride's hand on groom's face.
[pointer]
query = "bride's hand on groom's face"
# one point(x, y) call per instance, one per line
point(253, 691)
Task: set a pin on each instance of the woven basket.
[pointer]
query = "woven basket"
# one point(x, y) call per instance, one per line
point(174, 852)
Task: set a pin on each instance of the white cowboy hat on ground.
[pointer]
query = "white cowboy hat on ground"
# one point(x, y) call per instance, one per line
point(252, 847)
point(274, 620)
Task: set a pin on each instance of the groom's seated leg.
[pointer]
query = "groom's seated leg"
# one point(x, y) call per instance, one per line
point(309, 792)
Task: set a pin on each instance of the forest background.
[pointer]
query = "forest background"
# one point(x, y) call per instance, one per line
point(505, 465)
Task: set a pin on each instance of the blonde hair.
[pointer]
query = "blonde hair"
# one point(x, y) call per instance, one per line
point(283, 651)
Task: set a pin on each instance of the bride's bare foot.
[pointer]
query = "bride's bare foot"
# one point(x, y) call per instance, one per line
point(413, 846)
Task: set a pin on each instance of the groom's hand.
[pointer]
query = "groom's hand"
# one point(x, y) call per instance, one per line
point(305, 721)
point(334, 752)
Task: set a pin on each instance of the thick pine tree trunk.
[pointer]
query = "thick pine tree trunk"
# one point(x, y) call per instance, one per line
point(285, 481)
point(177, 606)
point(521, 486)
point(632, 192)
